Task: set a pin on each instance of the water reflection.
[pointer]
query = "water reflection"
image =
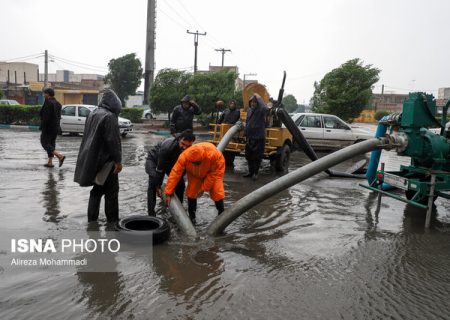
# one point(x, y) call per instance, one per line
point(51, 196)
point(188, 272)
point(101, 291)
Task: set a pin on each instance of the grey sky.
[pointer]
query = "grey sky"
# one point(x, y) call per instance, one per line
point(407, 40)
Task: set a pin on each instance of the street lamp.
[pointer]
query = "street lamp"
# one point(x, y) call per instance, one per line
point(248, 74)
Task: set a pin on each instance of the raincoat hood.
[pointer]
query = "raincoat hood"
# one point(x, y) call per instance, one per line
point(110, 101)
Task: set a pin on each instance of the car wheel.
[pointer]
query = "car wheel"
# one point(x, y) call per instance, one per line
point(60, 131)
point(282, 160)
point(143, 229)
point(148, 116)
point(124, 134)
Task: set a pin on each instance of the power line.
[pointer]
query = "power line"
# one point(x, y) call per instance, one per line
point(77, 62)
point(25, 57)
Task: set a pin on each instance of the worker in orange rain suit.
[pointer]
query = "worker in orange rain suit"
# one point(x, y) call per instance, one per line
point(205, 168)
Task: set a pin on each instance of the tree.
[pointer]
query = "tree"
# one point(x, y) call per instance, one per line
point(346, 90)
point(290, 103)
point(125, 74)
point(207, 88)
point(167, 90)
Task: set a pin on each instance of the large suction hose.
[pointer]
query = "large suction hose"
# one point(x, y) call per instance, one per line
point(290, 179)
point(181, 218)
point(229, 135)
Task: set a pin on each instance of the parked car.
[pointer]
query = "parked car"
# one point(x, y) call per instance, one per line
point(73, 118)
point(326, 131)
point(147, 114)
point(9, 102)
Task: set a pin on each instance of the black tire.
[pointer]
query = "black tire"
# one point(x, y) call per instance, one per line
point(124, 134)
point(60, 131)
point(282, 160)
point(148, 116)
point(229, 158)
point(143, 229)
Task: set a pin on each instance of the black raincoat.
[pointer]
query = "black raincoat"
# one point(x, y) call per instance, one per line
point(229, 116)
point(255, 124)
point(161, 159)
point(182, 119)
point(101, 140)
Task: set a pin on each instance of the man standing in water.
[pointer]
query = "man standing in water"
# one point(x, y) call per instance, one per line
point(160, 161)
point(183, 115)
point(255, 132)
point(50, 116)
point(100, 157)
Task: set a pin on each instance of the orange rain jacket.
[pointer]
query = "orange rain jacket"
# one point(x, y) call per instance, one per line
point(206, 177)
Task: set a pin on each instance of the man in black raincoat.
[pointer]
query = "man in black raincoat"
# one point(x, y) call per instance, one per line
point(50, 116)
point(100, 157)
point(230, 115)
point(255, 132)
point(183, 115)
point(160, 161)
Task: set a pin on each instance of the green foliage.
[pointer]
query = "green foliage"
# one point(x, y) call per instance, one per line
point(20, 114)
point(132, 114)
point(238, 97)
point(167, 90)
point(125, 74)
point(380, 114)
point(290, 103)
point(346, 90)
point(207, 88)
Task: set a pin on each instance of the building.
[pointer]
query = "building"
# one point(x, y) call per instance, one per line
point(392, 102)
point(443, 96)
point(21, 81)
point(70, 76)
point(18, 73)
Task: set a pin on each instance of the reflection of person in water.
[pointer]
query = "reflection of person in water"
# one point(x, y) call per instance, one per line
point(50, 197)
point(183, 270)
point(102, 289)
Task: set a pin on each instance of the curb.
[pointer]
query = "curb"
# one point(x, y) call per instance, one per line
point(14, 126)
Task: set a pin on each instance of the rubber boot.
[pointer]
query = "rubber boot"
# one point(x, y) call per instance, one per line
point(192, 208)
point(219, 206)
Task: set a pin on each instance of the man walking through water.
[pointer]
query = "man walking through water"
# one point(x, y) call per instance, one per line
point(100, 157)
point(50, 115)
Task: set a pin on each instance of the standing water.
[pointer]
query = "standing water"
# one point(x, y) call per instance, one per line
point(321, 249)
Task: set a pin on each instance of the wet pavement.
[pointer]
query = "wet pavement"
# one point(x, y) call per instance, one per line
point(322, 249)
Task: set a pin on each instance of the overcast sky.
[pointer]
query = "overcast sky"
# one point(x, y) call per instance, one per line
point(407, 39)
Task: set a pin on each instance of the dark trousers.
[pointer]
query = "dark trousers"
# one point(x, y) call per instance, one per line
point(192, 207)
point(111, 191)
point(48, 142)
point(254, 153)
point(151, 195)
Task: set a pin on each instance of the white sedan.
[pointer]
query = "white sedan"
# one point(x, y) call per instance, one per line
point(73, 118)
point(326, 131)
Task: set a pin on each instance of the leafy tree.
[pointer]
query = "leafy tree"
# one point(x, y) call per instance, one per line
point(167, 90)
point(346, 90)
point(290, 103)
point(125, 74)
point(207, 88)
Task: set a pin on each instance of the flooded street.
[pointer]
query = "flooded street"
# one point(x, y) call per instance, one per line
point(321, 249)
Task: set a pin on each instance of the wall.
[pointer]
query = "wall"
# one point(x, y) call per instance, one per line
point(366, 116)
point(30, 69)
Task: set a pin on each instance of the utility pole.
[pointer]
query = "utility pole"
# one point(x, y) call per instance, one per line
point(150, 49)
point(46, 70)
point(223, 53)
point(196, 34)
